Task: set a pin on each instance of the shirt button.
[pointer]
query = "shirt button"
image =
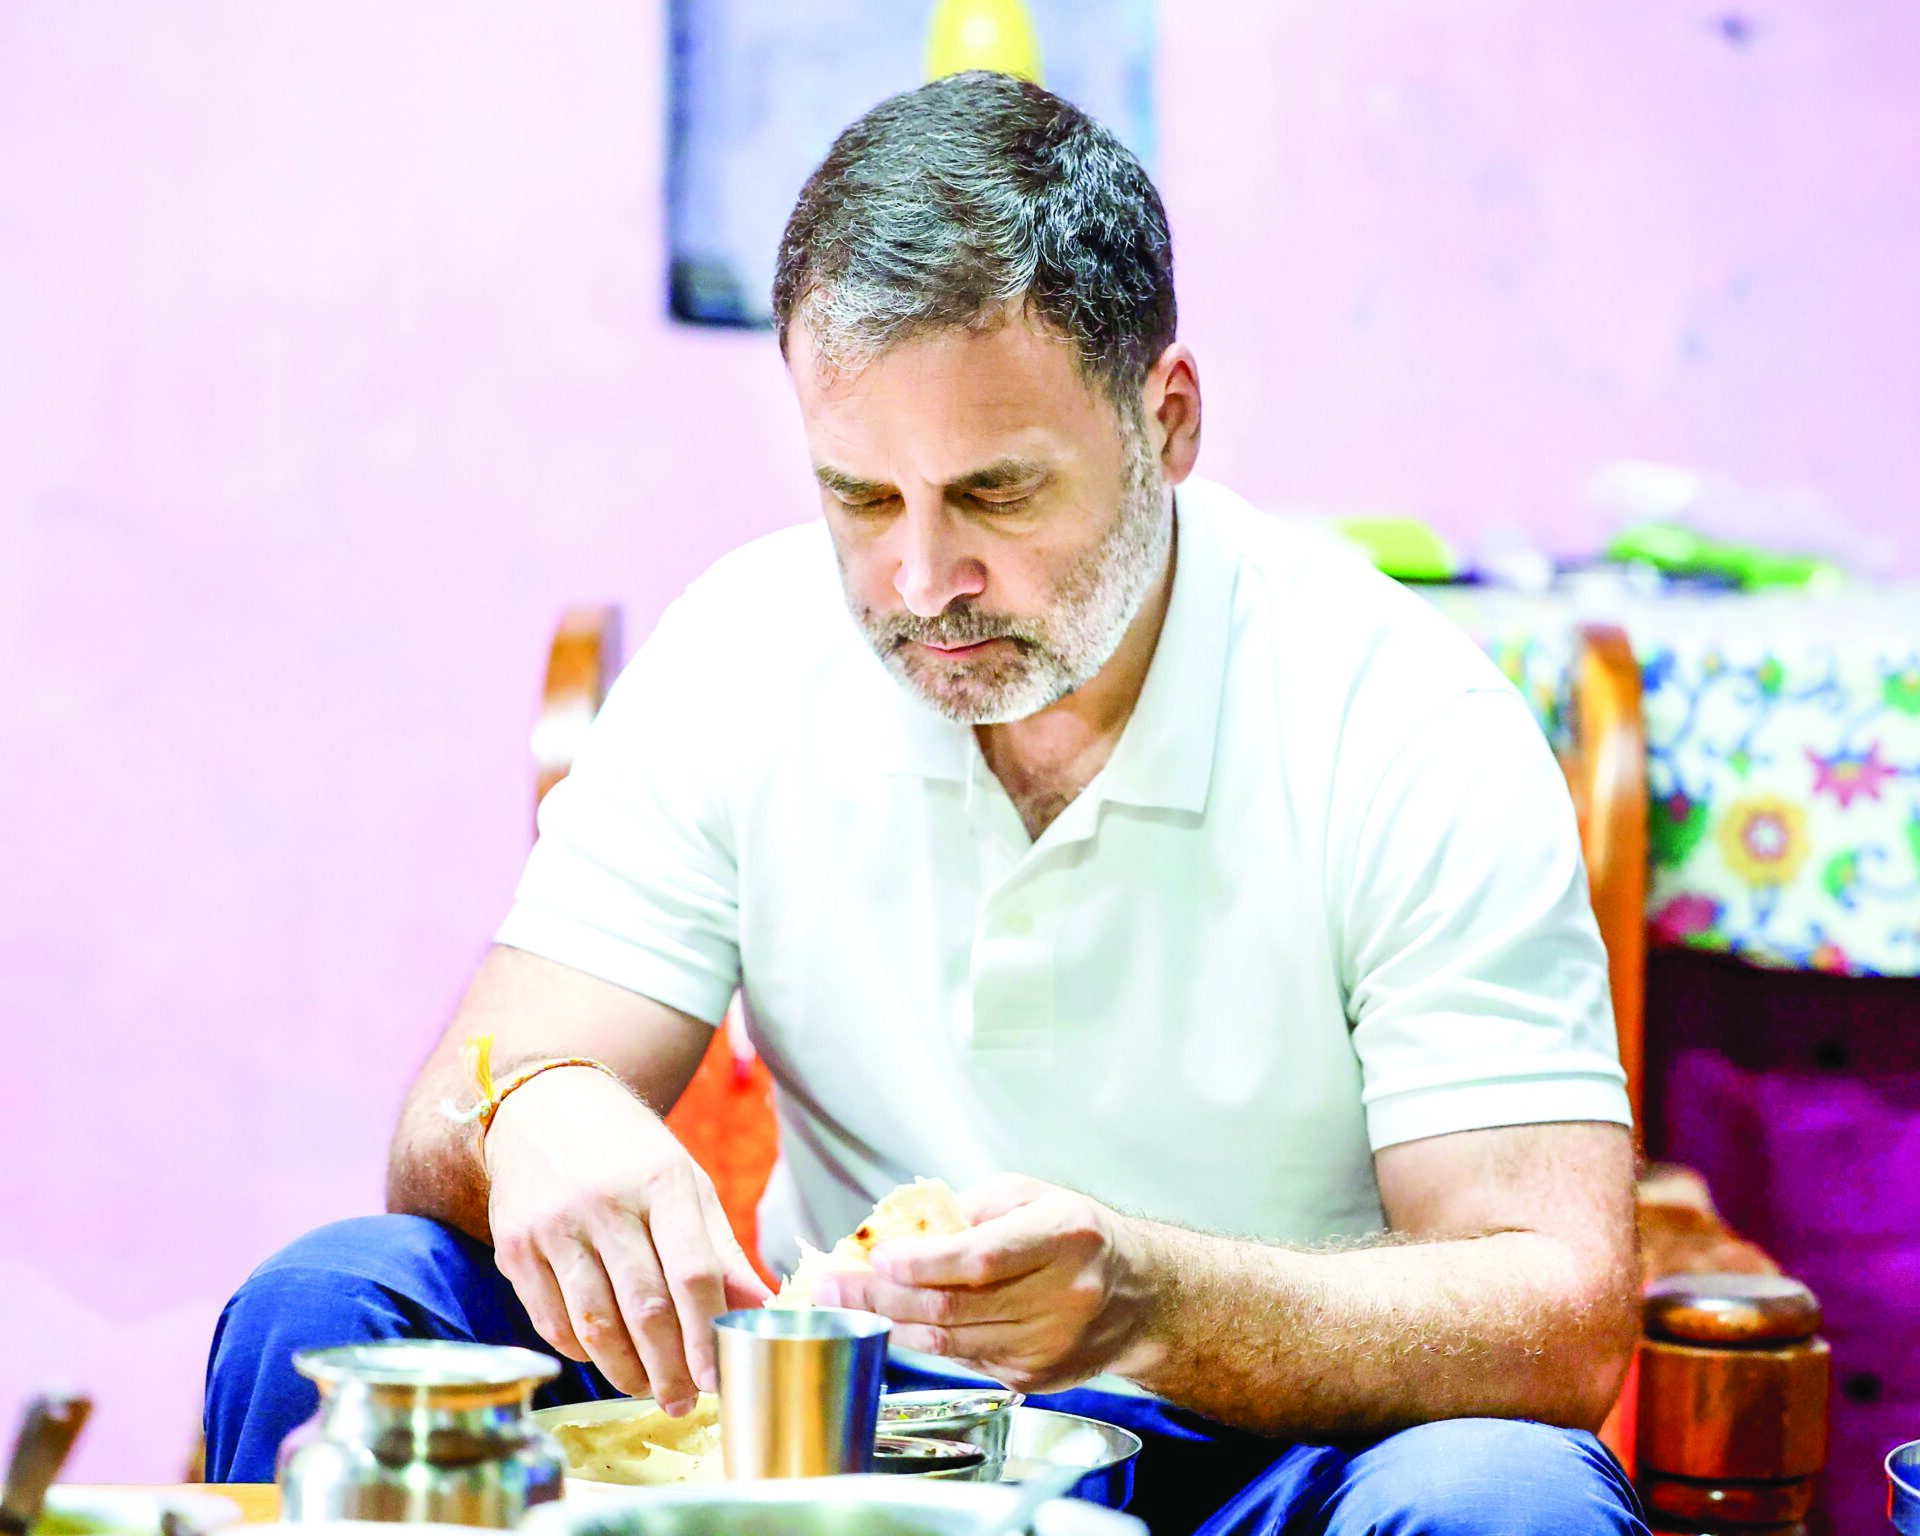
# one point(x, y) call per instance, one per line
point(1019, 924)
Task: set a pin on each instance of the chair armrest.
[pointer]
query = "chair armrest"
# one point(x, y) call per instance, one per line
point(1726, 1411)
point(1681, 1233)
point(1605, 763)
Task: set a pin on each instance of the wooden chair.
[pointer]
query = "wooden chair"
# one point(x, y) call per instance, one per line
point(1724, 1414)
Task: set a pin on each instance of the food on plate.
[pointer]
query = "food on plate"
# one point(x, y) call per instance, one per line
point(646, 1448)
point(924, 1208)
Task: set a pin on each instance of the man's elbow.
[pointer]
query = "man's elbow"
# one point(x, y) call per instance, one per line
point(402, 1199)
point(1598, 1355)
point(412, 1189)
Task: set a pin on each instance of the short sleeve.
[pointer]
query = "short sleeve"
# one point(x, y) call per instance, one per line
point(1475, 975)
point(633, 877)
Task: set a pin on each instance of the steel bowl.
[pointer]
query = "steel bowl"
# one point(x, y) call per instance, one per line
point(1903, 1488)
point(1041, 1440)
point(978, 1415)
point(821, 1506)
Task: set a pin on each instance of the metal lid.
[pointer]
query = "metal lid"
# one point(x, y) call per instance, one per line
point(923, 1454)
point(427, 1365)
point(1731, 1310)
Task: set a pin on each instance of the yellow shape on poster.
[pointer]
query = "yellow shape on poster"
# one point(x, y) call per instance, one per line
point(983, 34)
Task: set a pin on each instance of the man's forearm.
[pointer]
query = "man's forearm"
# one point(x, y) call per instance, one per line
point(533, 1009)
point(1366, 1341)
point(434, 1166)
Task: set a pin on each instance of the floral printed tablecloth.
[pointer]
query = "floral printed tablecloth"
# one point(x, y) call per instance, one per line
point(1783, 746)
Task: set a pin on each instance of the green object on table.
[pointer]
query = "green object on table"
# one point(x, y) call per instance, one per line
point(55, 1523)
point(1678, 550)
point(1404, 547)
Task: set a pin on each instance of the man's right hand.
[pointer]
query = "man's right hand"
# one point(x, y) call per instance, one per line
point(611, 1234)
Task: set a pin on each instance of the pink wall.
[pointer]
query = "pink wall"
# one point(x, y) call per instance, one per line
point(332, 365)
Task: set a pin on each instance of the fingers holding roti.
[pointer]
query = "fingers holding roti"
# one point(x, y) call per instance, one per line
point(924, 1208)
point(1035, 1285)
point(999, 1250)
point(924, 1234)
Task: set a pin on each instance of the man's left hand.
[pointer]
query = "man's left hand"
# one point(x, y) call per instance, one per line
point(1046, 1289)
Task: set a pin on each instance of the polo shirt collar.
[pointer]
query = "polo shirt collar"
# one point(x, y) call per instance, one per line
point(1164, 758)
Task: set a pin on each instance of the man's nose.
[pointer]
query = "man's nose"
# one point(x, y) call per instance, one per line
point(934, 568)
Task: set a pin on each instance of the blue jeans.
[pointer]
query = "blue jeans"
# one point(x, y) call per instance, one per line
point(382, 1277)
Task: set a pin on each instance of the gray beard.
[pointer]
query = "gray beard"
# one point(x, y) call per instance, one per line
point(1053, 654)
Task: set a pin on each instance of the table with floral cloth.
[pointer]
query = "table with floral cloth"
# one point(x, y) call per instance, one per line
point(1783, 758)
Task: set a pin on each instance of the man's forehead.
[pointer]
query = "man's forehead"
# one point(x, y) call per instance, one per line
point(1007, 350)
point(963, 399)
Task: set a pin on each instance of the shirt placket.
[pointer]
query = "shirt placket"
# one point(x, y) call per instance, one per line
point(1013, 968)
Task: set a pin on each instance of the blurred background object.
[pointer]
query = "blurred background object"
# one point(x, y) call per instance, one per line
point(1000, 35)
point(1687, 524)
point(758, 90)
point(49, 1424)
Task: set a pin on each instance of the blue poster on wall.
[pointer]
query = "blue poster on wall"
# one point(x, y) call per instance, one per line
point(759, 89)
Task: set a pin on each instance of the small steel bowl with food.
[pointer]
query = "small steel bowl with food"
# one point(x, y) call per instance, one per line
point(980, 1416)
point(926, 1456)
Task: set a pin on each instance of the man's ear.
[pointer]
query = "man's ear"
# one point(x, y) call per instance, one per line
point(1171, 400)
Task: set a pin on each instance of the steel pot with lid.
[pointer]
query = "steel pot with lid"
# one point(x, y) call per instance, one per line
point(421, 1430)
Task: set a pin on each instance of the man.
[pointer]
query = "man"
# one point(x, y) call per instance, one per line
point(1195, 872)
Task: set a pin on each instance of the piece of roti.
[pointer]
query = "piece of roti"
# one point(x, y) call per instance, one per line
point(924, 1208)
point(645, 1448)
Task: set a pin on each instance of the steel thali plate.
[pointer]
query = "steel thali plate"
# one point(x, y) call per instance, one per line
point(1039, 1440)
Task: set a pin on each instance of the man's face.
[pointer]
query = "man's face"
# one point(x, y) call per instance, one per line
point(997, 526)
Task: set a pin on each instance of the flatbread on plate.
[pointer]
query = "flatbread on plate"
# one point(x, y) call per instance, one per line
point(645, 1448)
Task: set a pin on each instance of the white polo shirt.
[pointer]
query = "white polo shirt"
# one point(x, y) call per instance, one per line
point(1325, 896)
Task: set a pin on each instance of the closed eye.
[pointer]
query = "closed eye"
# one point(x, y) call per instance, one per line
point(1002, 502)
point(863, 503)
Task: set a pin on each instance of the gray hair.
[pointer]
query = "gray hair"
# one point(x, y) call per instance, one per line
point(945, 205)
